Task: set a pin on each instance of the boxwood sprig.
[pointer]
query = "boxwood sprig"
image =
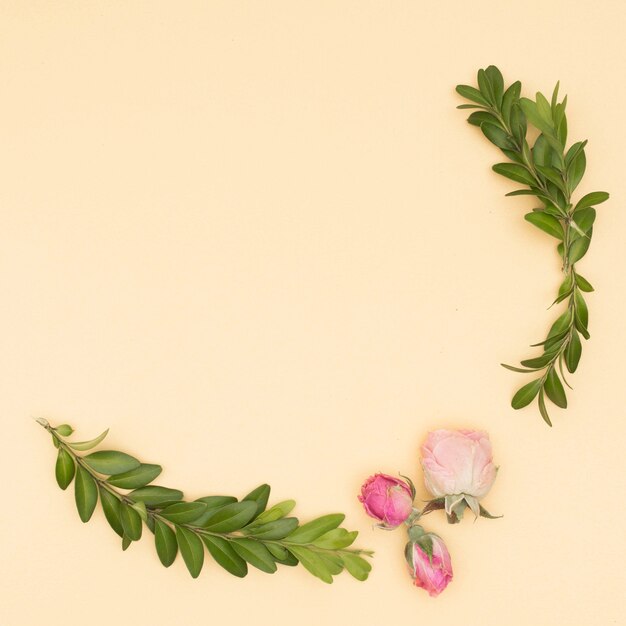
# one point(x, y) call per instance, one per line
point(236, 533)
point(551, 172)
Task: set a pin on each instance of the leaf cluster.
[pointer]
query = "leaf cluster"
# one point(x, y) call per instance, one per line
point(236, 533)
point(551, 172)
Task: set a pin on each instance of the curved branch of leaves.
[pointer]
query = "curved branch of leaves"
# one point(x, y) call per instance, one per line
point(235, 533)
point(551, 173)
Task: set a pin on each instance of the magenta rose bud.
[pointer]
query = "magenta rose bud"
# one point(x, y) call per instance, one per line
point(387, 499)
point(432, 573)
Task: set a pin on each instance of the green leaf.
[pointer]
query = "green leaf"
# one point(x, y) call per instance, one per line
point(518, 125)
point(260, 495)
point(213, 503)
point(578, 248)
point(131, 522)
point(511, 95)
point(551, 209)
point(584, 218)
point(572, 352)
point(522, 192)
point(542, 410)
point(276, 512)
point(526, 394)
point(165, 542)
point(592, 199)
point(497, 84)
point(534, 117)
point(273, 530)
point(513, 155)
point(111, 508)
point(554, 389)
point(576, 170)
point(333, 562)
point(138, 477)
point(183, 512)
point(471, 93)
point(545, 222)
point(154, 496)
point(583, 283)
point(140, 507)
point(515, 172)
point(111, 462)
point(556, 341)
point(225, 555)
point(519, 369)
point(282, 555)
point(555, 94)
point(543, 108)
point(551, 174)
point(316, 528)
point(231, 517)
point(191, 550)
point(81, 446)
point(497, 136)
point(554, 344)
point(358, 567)
point(85, 493)
point(582, 329)
point(479, 117)
point(560, 123)
point(64, 469)
point(566, 285)
point(126, 541)
point(582, 312)
point(336, 539)
point(485, 86)
point(539, 362)
point(65, 430)
point(572, 153)
point(542, 151)
point(312, 563)
point(150, 522)
point(254, 553)
point(561, 324)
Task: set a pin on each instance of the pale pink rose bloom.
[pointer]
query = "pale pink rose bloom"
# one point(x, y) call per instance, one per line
point(387, 499)
point(432, 574)
point(458, 462)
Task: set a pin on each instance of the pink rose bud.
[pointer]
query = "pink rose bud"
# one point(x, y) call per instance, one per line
point(387, 499)
point(431, 572)
point(458, 463)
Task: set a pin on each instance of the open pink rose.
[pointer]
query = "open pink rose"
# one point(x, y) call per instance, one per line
point(458, 462)
point(387, 499)
point(431, 573)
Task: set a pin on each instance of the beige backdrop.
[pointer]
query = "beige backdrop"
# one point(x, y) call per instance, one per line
point(257, 240)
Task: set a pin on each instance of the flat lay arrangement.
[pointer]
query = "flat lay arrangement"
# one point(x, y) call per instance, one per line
point(342, 283)
point(458, 465)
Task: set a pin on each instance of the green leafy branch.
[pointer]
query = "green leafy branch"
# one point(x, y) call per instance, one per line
point(235, 533)
point(551, 173)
